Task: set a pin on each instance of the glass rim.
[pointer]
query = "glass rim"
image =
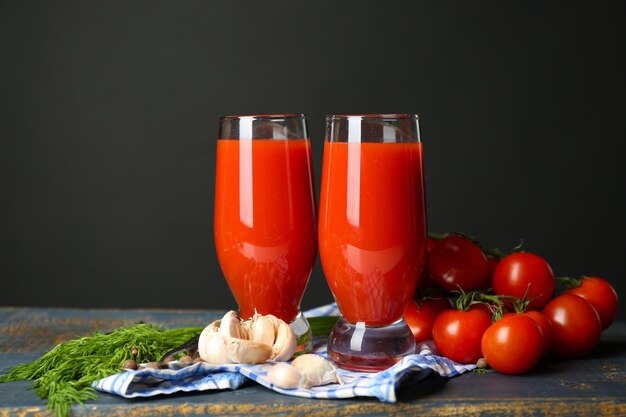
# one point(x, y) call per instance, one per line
point(269, 116)
point(374, 116)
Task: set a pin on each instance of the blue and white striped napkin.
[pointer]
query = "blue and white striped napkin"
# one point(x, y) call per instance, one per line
point(203, 376)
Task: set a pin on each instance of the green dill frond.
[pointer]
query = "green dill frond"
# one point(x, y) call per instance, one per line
point(64, 375)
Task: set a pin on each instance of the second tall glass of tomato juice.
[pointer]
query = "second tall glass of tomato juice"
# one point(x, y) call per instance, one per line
point(265, 219)
point(372, 234)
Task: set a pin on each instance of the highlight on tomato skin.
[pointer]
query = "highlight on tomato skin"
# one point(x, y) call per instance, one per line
point(513, 345)
point(458, 334)
point(455, 262)
point(526, 275)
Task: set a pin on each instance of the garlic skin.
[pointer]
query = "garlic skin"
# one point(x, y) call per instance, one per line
point(316, 369)
point(285, 343)
point(287, 376)
point(261, 329)
point(246, 351)
point(230, 326)
point(211, 345)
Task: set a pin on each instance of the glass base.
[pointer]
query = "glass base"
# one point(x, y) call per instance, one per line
point(304, 336)
point(357, 347)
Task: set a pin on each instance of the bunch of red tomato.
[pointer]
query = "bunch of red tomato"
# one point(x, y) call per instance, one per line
point(506, 311)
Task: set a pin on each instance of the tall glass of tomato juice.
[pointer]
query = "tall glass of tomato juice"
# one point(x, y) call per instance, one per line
point(372, 234)
point(265, 220)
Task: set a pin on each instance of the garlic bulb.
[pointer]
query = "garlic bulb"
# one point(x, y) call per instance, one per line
point(257, 340)
point(287, 376)
point(316, 369)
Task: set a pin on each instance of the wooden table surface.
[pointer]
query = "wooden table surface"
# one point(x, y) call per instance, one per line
point(591, 386)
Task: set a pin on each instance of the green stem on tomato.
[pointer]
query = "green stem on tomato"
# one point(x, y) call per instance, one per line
point(464, 300)
point(569, 282)
point(437, 236)
point(493, 302)
point(491, 252)
point(520, 305)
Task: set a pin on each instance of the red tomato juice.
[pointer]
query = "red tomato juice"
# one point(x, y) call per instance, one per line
point(372, 229)
point(265, 232)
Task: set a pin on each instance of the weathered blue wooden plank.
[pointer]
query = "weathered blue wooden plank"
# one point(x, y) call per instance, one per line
point(594, 385)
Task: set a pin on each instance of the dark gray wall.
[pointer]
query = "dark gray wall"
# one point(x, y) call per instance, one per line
point(108, 122)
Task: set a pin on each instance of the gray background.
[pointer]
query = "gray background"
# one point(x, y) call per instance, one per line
point(108, 122)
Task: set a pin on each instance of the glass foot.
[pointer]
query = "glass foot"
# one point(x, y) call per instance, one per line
point(362, 348)
point(304, 336)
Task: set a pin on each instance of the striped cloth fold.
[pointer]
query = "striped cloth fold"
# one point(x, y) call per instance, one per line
point(201, 376)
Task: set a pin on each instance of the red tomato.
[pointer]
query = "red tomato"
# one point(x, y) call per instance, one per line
point(456, 262)
point(544, 325)
point(458, 334)
point(492, 263)
point(601, 295)
point(425, 281)
point(487, 283)
point(487, 308)
point(575, 325)
point(420, 318)
point(513, 344)
point(516, 272)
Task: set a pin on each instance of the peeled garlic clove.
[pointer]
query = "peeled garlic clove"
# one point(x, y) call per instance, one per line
point(230, 326)
point(262, 329)
point(245, 351)
point(286, 376)
point(211, 346)
point(317, 369)
point(285, 343)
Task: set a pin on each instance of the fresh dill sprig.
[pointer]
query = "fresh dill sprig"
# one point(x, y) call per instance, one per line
point(64, 374)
